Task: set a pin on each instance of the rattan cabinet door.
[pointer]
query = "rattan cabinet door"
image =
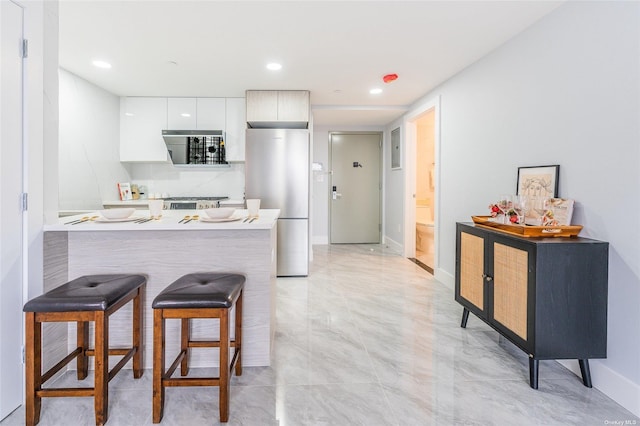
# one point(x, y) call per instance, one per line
point(510, 288)
point(472, 269)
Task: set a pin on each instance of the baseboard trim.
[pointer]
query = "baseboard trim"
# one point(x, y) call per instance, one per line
point(393, 245)
point(445, 278)
point(615, 386)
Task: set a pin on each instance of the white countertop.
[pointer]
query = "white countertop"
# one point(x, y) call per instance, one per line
point(169, 221)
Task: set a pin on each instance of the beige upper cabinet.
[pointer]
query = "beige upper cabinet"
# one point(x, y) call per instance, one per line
point(278, 108)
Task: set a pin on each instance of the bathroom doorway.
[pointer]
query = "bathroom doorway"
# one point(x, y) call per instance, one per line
point(425, 190)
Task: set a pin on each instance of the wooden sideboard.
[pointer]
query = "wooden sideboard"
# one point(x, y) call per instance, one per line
point(546, 295)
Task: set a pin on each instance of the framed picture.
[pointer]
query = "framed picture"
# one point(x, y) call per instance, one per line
point(538, 181)
point(395, 148)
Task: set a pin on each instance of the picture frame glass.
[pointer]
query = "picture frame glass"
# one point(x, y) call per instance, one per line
point(538, 181)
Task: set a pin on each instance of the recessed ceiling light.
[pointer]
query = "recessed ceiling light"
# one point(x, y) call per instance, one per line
point(185, 114)
point(101, 64)
point(128, 114)
point(274, 66)
point(375, 91)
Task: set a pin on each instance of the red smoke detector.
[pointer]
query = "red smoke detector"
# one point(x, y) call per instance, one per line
point(389, 78)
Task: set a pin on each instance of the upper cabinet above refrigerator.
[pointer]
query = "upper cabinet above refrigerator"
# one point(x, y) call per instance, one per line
point(280, 109)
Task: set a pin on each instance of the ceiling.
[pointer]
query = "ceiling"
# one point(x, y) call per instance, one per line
point(338, 50)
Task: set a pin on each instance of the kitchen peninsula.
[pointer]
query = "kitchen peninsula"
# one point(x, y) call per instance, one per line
point(164, 250)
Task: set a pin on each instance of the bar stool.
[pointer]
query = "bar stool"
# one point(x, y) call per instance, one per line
point(200, 295)
point(82, 300)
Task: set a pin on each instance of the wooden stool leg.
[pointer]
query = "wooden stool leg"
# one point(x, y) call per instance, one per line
point(137, 335)
point(224, 366)
point(239, 335)
point(185, 336)
point(33, 374)
point(101, 382)
point(158, 365)
point(82, 340)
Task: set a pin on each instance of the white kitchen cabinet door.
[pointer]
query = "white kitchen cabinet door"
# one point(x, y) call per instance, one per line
point(141, 123)
point(211, 114)
point(235, 129)
point(181, 113)
point(262, 105)
point(293, 105)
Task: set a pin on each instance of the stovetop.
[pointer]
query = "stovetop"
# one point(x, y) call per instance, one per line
point(195, 198)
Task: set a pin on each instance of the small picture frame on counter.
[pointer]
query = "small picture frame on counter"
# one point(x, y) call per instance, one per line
point(124, 188)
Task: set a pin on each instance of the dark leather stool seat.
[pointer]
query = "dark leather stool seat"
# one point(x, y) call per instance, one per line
point(82, 300)
point(200, 295)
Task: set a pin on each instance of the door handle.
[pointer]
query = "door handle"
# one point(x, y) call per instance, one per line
point(335, 194)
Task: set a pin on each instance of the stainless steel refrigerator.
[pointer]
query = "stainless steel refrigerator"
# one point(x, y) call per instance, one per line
point(277, 172)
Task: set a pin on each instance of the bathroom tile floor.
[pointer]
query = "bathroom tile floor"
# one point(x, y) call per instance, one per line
point(368, 338)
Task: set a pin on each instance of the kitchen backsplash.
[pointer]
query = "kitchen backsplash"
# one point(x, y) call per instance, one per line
point(174, 181)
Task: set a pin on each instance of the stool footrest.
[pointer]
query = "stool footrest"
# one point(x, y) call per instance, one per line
point(112, 352)
point(175, 364)
point(208, 344)
point(53, 392)
point(191, 381)
point(116, 368)
point(66, 360)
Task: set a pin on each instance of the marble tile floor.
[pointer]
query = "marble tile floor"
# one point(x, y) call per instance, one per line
point(369, 338)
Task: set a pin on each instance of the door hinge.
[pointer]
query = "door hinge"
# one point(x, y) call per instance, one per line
point(22, 347)
point(25, 201)
point(25, 48)
point(379, 227)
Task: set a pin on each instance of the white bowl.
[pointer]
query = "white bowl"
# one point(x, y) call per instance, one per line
point(220, 212)
point(117, 213)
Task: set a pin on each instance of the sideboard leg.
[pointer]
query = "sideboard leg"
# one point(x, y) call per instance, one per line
point(465, 317)
point(586, 373)
point(533, 373)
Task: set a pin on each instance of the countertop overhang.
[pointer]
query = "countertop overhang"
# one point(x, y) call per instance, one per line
point(168, 222)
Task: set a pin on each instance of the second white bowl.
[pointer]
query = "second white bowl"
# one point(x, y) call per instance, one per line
point(117, 213)
point(220, 212)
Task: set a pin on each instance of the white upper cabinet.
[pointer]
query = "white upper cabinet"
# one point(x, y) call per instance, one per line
point(210, 114)
point(278, 108)
point(236, 127)
point(182, 113)
point(141, 123)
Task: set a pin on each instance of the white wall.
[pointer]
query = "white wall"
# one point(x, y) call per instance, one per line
point(89, 150)
point(394, 192)
point(320, 181)
point(566, 91)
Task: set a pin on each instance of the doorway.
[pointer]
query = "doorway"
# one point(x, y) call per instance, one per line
point(425, 189)
point(11, 216)
point(421, 206)
point(355, 187)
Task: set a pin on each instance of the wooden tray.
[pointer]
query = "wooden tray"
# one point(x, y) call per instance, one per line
point(527, 230)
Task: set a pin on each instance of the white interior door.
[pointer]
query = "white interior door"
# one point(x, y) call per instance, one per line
point(356, 187)
point(11, 19)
